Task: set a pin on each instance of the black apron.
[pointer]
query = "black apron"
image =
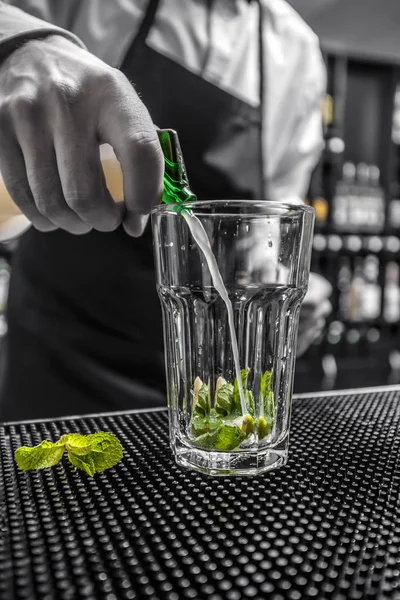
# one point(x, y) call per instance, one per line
point(85, 331)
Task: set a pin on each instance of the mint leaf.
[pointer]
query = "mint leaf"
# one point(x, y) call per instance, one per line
point(101, 451)
point(269, 406)
point(77, 441)
point(265, 384)
point(201, 398)
point(244, 373)
point(85, 463)
point(43, 456)
point(247, 424)
point(93, 453)
point(249, 399)
point(264, 427)
point(224, 402)
point(202, 424)
point(267, 401)
point(207, 441)
point(229, 437)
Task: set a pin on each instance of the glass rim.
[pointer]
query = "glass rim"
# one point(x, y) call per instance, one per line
point(286, 209)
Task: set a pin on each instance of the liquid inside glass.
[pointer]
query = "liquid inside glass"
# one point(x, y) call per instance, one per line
point(199, 345)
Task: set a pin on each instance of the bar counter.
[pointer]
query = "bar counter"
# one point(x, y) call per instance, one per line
point(327, 525)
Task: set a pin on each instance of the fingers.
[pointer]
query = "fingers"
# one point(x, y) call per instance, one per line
point(134, 224)
point(43, 177)
point(127, 127)
point(314, 312)
point(13, 171)
point(308, 335)
point(82, 182)
point(319, 289)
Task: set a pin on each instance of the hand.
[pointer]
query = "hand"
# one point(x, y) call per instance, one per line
point(314, 311)
point(58, 102)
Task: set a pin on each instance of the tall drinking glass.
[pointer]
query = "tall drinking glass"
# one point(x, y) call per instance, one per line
point(230, 351)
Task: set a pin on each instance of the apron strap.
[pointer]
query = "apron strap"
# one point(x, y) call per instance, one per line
point(145, 27)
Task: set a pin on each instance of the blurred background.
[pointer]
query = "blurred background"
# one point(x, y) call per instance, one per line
point(355, 191)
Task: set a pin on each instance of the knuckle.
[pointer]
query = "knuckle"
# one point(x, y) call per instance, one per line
point(46, 206)
point(78, 202)
point(4, 108)
point(24, 105)
point(145, 146)
point(42, 225)
point(109, 78)
point(63, 90)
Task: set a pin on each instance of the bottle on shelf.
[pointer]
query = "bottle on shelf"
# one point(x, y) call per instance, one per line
point(376, 212)
point(391, 295)
point(396, 117)
point(359, 209)
point(334, 140)
point(327, 111)
point(344, 286)
point(370, 299)
point(353, 338)
point(394, 208)
point(356, 291)
point(320, 205)
point(5, 273)
point(345, 190)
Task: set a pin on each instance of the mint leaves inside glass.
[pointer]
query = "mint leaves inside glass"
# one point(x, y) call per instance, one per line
point(217, 421)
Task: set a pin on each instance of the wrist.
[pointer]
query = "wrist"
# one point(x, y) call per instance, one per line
point(26, 40)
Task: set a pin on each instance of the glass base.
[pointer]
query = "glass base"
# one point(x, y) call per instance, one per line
point(241, 463)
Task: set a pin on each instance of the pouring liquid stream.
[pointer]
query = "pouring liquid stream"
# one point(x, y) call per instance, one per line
point(177, 191)
point(201, 238)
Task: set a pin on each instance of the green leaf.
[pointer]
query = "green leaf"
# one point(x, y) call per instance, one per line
point(93, 453)
point(247, 424)
point(265, 384)
point(244, 373)
point(102, 451)
point(77, 441)
point(201, 398)
point(204, 399)
point(199, 424)
point(264, 427)
point(224, 399)
point(43, 456)
point(269, 406)
point(229, 437)
point(249, 399)
point(207, 441)
point(267, 399)
point(85, 463)
point(202, 424)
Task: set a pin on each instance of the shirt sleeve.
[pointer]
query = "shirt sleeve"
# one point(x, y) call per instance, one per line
point(17, 26)
point(292, 181)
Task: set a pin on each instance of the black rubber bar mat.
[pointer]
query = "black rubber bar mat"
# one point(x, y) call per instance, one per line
point(325, 526)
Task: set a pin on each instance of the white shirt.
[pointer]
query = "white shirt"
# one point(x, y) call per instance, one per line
point(222, 46)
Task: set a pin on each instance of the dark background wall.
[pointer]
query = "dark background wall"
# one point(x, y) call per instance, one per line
point(357, 27)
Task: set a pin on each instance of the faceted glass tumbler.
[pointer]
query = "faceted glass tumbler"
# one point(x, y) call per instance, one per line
point(262, 250)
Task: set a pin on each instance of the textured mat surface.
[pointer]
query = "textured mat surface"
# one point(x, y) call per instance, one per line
point(325, 526)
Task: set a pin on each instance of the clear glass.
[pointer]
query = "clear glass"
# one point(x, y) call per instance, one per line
point(262, 250)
